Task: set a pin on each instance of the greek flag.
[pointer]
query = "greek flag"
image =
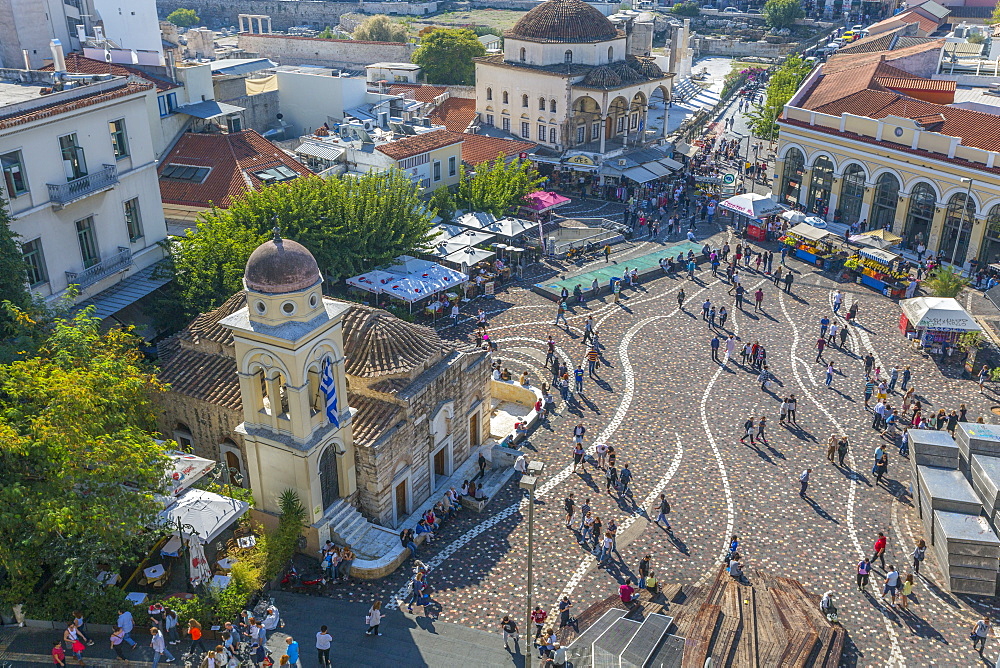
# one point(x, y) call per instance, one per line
point(329, 387)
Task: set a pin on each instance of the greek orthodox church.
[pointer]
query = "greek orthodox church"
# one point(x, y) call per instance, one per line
point(363, 414)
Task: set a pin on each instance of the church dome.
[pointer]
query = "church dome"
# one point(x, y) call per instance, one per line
point(569, 21)
point(626, 73)
point(645, 66)
point(281, 265)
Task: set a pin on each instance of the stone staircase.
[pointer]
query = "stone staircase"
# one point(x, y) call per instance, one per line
point(691, 93)
point(349, 527)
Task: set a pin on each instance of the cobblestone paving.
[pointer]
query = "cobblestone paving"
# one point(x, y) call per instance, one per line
point(675, 415)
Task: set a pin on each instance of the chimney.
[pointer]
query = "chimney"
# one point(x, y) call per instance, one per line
point(58, 59)
point(27, 59)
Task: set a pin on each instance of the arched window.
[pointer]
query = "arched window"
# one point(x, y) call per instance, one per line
point(611, 54)
point(821, 185)
point(791, 180)
point(489, 93)
point(958, 222)
point(852, 194)
point(552, 106)
point(505, 97)
point(886, 199)
point(568, 56)
point(328, 483)
point(541, 104)
point(919, 215)
point(524, 101)
point(524, 54)
point(233, 470)
point(991, 241)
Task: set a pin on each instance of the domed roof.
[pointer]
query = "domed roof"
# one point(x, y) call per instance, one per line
point(378, 343)
point(570, 21)
point(626, 73)
point(645, 66)
point(602, 76)
point(281, 265)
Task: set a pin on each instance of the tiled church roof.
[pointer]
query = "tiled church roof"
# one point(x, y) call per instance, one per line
point(569, 21)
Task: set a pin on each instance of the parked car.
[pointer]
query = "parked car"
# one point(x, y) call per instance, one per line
point(730, 10)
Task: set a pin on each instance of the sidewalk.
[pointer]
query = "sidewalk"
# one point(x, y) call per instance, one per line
point(407, 640)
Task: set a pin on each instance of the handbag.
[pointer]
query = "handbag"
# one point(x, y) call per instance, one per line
point(368, 620)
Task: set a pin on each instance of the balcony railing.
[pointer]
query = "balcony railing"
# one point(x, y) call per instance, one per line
point(71, 191)
point(120, 261)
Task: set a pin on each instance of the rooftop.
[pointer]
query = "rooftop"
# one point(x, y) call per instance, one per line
point(213, 169)
point(455, 114)
point(564, 21)
point(477, 149)
point(22, 103)
point(417, 144)
point(419, 92)
point(77, 63)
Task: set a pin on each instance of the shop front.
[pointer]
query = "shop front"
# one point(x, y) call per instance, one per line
point(935, 323)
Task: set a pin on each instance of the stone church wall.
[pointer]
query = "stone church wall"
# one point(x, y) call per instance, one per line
point(208, 423)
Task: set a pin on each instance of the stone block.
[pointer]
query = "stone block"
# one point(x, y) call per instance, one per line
point(986, 480)
point(929, 447)
point(966, 534)
point(978, 439)
point(947, 490)
point(960, 585)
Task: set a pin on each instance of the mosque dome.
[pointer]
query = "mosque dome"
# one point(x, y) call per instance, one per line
point(567, 21)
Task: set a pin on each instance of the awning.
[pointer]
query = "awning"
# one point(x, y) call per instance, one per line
point(476, 220)
point(639, 174)
point(657, 168)
point(809, 232)
point(453, 234)
point(127, 292)
point(753, 205)
point(545, 159)
point(323, 151)
point(882, 256)
point(686, 149)
point(510, 228)
point(543, 200)
point(207, 513)
point(941, 314)
point(670, 163)
point(469, 256)
point(209, 109)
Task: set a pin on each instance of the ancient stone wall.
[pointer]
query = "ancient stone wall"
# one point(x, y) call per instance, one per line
point(284, 13)
point(286, 50)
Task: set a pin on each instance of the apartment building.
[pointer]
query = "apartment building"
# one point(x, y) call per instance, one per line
point(79, 180)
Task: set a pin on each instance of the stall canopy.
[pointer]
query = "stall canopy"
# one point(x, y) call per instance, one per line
point(639, 175)
point(809, 232)
point(882, 256)
point(544, 201)
point(942, 314)
point(455, 234)
point(476, 220)
point(753, 205)
point(371, 281)
point(210, 514)
point(511, 228)
point(871, 242)
point(888, 237)
point(469, 256)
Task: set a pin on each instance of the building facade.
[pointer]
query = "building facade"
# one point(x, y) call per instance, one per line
point(79, 173)
point(872, 137)
point(570, 80)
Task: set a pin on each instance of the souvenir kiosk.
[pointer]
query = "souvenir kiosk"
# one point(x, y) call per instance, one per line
point(935, 323)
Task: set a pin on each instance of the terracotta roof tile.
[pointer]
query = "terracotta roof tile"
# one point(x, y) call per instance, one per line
point(80, 64)
point(55, 108)
point(477, 149)
point(232, 158)
point(420, 92)
point(377, 343)
point(206, 326)
point(832, 86)
point(455, 113)
point(571, 21)
point(915, 83)
point(862, 103)
point(417, 144)
point(880, 42)
point(373, 418)
point(211, 378)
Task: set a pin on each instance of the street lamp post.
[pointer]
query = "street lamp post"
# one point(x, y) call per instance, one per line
point(529, 482)
point(961, 221)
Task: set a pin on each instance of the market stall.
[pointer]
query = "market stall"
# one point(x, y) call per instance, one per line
point(813, 245)
point(935, 323)
point(881, 270)
point(754, 209)
point(541, 201)
point(411, 281)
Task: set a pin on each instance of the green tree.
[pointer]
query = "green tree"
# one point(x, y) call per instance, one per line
point(945, 282)
point(783, 13)
point(686, 9)
point(325, 33)
point(780, 89)
point(13, 287)
point(185, 18)
point(282, 543)
point(995, 17)
point(497, 186)
point(380, 28)
point(446, 54)
point(78, 462)
point(442, 202)
point(206, 266)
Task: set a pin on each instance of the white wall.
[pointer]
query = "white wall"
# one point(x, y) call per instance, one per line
point(31, 24)
point(307, 99)
point(554, 54)
point(518, 83)
point(35, 216)
point(132, 24)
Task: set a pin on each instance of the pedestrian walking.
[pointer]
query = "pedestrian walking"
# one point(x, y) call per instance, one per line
point(864, 572)
point(893, 378)
point(843, 336)
point(761, 424)
point(878, 549)
point(838, 300)
point(715, 348)
point(592, 357)
point(788, 281)
point(891, 585)
point(980, 632)
point(906, 378)
point(569, 504)
point(374, 619)
point(159, 645)
point(680, 299)
point(758, 300)
point(831, 334)
point(824, 323)
point(578, 379)
point(820, 345)
point(842, 449)
point(918, 554)
point(323, 642)
point(705, 306)
point(748, 430)
point(561, 313)
point(869, 390)
point(509, 628)
point(740, 290)
point(664, 510)
point(117, 638)
point(829, 374)
point(783, 414)
point(792, 406)
point(831, 447)
point(804, 482)
point(723, 316)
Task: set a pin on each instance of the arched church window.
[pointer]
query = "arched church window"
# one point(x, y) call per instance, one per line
point(541, 104)
point(611, 54)
point(568, 56)
point(489, 93)
point(505, 97)
point(524, 101)
point(552, 106)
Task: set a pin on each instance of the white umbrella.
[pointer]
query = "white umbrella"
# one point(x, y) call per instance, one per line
point(753, 205)
point(815, 221)
point(794, 216)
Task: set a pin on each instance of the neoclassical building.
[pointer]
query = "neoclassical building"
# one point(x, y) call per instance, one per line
point(873, 137)
point(245, 388)
point(570, 80)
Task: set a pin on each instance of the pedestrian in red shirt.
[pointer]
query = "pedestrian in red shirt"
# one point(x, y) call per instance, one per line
point(627, 593)
point(879, 550)
point(58, 654)
point(538, 617)
point(820, 345)
point(758, 298)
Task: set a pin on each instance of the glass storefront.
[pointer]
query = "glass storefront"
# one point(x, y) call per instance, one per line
point(958, 223)
point(991, 241)
point(820, 186)
point(852, 194)
point(919, 216)
point(792, 177)
point(886, 199)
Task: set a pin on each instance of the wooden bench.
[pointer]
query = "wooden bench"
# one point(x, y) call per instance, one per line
point(698, 638)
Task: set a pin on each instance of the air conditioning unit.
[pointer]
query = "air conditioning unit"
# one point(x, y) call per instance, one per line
point(622, 162)
point(368, 125)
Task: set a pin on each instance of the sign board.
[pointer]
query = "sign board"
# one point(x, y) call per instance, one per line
point(522, 156)
point(728, 179)
point(488, 288)
point(580, 160)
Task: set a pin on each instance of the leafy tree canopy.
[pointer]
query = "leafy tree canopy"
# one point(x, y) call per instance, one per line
point(12, 274)
point(185, 18)
point(380, 28)
point(945, 282)
point(780, 89)
point(349, 224)
point(78, 463)
point(686, 9)
point(783, 13)
point(497, 186)
point(995, 17)
point(446, 56)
